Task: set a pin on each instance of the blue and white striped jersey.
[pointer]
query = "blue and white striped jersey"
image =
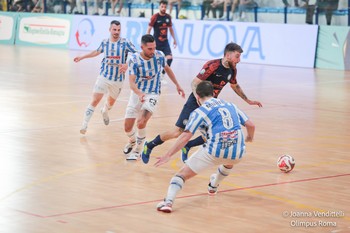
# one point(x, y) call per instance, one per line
point(147, 72)
point(115, 53)
point(220, 122)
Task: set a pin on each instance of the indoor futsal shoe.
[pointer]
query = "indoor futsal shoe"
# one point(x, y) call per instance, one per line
point(212, 190)
point(128, 147)
point(146, 152)
point(165, 206)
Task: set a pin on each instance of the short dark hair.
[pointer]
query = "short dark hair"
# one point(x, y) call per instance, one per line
point(163, 2)
point(148, 38)
point(232, 47)
point(205, 89)
point(116, 22)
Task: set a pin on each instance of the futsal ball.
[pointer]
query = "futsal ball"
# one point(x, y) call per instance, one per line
point(285, 163)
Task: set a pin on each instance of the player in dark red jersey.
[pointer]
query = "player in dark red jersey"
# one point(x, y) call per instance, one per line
point(219, 72)
point(161, 22)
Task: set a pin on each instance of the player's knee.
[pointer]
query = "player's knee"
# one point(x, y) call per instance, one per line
point(128, 125)
point(95, 101)
point(177, 132)
point(228, 166)
point(141, 123)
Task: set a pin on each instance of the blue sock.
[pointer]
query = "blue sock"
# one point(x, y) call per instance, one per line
point(155, 142)
point(195, 142)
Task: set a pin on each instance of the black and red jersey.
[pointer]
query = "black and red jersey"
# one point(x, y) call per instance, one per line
point(160, 24)
point(218, 75)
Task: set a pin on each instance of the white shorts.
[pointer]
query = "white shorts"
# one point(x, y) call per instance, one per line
point(135, 106)
point(104, 85)
point(201, 160)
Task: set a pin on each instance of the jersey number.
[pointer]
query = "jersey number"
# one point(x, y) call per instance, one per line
point(226, 118)
point(153, 101)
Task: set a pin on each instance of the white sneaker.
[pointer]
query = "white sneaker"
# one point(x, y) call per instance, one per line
point(128, 147)
point(165, 206)
point(133, 156)
point(84, 128)
point(105, 116)
point(212, 190)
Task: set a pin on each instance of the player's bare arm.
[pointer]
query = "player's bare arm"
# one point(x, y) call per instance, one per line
point(250, 130)
point(241, 94)
point(173, 35)
point(133, 87)
point(91, 54)
point(149, 30)
point(179, 144)
point(172, 77)
point(195, 83)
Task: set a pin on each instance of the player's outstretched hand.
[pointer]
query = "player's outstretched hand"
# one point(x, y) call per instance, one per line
point(180, 91)
point(248, 139)
point(161, 160)
point(77, 59)
point(142, 97)
point(254, 102)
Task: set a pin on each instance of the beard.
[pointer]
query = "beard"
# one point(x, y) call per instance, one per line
point(231, 64)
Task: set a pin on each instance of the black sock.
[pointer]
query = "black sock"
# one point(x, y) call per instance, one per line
point(169, 61)
point(155, 142)
point(195, 142)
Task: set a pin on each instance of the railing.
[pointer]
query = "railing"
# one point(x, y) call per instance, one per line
point(256, 14)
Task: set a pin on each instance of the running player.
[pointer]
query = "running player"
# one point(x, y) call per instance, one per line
point(219, 72)
point(220, 122)
point(112, 73)
point(144, 78)
point(161, 22)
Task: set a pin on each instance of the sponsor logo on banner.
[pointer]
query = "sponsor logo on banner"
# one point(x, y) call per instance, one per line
point(85, 32)
point(6, 27)
point(44, 30)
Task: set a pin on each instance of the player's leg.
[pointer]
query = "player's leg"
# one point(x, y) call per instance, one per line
point(167, 52)
point(131, 114)
point(190, 105)
point(226, 165)
point(141, 134)
point(96, 98)
point(159, 140)
point(145, 111)
point(196, 164)
point(100, 88)
point(176, 184)
point(114, 89)
point(215, 179)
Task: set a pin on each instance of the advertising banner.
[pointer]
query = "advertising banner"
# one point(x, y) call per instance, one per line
point(272, 44)
point(49, 30)
point(333, 51)
point(7, 27)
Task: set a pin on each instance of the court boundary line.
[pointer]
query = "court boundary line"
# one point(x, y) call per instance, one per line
point(181, 197)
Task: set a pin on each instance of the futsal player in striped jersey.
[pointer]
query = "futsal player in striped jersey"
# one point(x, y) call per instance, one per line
point(220, 123)
point(112, 72)
point(145, 84)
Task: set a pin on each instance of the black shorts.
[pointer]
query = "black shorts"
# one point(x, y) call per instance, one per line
point(190, 105)
point(165, 48)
